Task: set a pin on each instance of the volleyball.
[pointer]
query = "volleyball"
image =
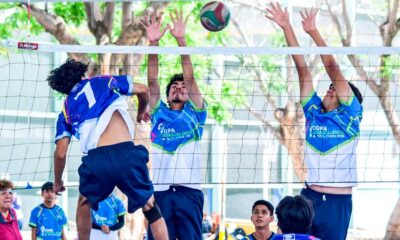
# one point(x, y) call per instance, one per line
point(214, 16)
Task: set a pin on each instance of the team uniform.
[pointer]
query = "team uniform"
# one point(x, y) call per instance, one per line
point(110, 209)
point(251, 237)
point(86, 113)
point(294, 236)
point(49, 222)
point(175, 138)
point(330, 155)
point(9, 226)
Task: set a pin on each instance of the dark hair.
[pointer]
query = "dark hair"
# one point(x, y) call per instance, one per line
point(295, 214)
point(64, 78)
point(47, 186)
point(265, 203)
point(5, 184)
point(355, 90)
point(175, 78)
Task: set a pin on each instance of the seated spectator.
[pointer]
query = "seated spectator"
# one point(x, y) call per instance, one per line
point(295, 216)
point(262, 214)
point(108, 219)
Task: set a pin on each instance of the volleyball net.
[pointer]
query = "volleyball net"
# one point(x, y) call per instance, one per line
point(254, 133)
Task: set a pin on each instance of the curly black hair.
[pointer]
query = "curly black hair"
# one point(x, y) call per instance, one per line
point(174, 78)
point(64, 78)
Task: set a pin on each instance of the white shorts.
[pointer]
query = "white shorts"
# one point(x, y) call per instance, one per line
point(96, 234)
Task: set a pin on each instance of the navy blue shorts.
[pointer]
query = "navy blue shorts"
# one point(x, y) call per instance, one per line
point(122, 165)
point(332, 214)
point(182, 209)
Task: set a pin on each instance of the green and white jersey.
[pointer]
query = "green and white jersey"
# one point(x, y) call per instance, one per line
point(331, 142)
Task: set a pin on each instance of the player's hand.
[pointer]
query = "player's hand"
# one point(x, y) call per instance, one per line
point(105, 229)
point(278, 15)
point(143, 115)
point(153, 27)
point(58, 187)
point(309, 17)
point(179, 22)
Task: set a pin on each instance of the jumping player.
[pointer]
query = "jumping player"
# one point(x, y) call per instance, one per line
point(177, 128)
point(332, 131)
point(95, 112)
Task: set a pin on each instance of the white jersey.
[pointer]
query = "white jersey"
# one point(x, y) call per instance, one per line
point(331, 142)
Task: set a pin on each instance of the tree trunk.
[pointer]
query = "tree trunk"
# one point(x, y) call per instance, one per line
point(291, 120)
point(393, 227)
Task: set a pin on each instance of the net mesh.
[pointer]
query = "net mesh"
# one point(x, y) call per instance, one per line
point(255, 128)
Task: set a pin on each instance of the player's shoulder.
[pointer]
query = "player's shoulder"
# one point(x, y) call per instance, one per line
point(36, 210)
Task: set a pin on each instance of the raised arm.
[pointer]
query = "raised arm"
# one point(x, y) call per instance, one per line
point(341, 85)
point(179, 31)
point(154, 34)
point(281, 17)
point(60, 158)
point(142, 92)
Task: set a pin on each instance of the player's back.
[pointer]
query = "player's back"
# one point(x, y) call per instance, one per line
point(89, 98)
point(95, 112)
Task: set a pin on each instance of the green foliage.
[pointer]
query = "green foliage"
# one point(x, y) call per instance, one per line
point(220, 99)
point(390, 67)
point(17, 19)
point(3, 52)
point(73, 13)
point(223, 93)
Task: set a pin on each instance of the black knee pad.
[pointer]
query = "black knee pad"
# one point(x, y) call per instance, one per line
point(153, 214)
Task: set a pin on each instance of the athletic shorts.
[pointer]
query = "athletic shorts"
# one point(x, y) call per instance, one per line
point(332, 214)
point(122, 165)
point(182, 209)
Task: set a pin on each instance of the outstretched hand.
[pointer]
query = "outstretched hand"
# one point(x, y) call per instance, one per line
point(153, 27)
point(308, 21)
point(278, 15)
point(179, 28)
point(143, 114)
point(58, 187)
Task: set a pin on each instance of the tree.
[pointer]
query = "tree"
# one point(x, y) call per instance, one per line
point(115, 23)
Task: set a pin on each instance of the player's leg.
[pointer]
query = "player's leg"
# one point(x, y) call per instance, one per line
point(332, 214)
point(94, 186)
point(189, 212)
point(83, 218)
point(156, 222)
point(164, 201)
point(134, 181)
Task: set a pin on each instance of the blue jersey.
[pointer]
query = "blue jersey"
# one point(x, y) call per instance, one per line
point(251, 237)
point(89, 106)
point(175, 137)
point(49, 222)
point(331, 142)
point(109, 210)
point(294, 236)
point(171, 129)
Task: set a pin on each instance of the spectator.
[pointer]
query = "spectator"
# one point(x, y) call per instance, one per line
point(295, 216)
point(108, 219)
point(48, 219)
point(8, 218)
point(262, 214)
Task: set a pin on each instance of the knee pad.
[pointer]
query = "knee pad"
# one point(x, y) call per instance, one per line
point(153, 214)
